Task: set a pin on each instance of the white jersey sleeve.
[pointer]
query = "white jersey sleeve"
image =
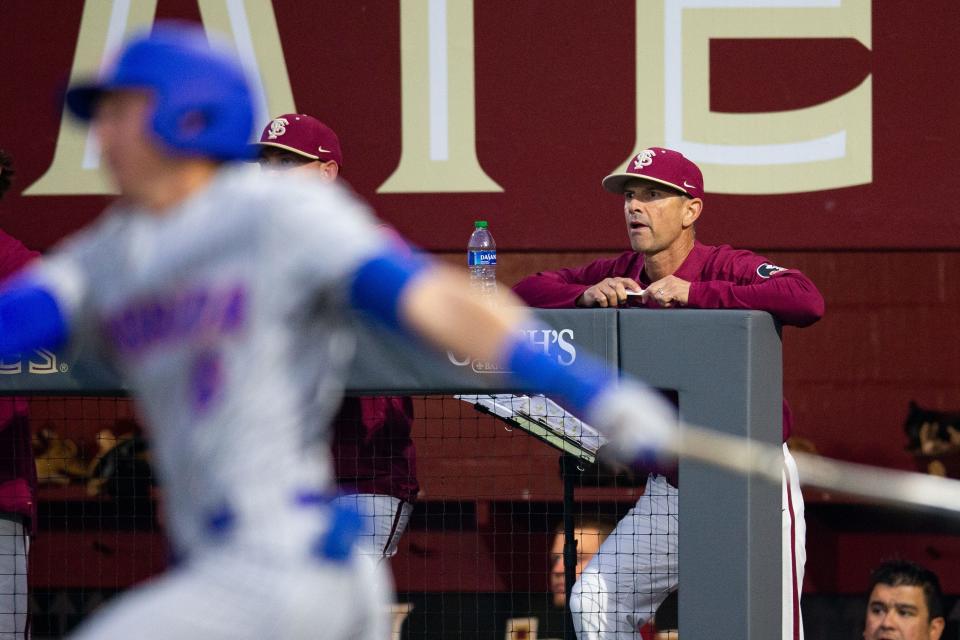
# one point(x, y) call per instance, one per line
point(74, 267)
point(321, 236)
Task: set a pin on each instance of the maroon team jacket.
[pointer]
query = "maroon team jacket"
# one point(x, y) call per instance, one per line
point(18, 473)
point(721, 278)
point(372, 448)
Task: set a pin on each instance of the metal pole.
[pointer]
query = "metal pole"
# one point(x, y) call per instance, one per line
point(569, 471)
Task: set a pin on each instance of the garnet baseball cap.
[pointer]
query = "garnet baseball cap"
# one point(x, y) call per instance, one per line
point(664, 166)
point(303, 135)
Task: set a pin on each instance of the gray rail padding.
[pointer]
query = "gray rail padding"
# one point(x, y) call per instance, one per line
point(726, 367)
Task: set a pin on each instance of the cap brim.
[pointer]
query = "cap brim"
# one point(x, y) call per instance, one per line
point(82, 99)
point(256, 146)
point(616, 182)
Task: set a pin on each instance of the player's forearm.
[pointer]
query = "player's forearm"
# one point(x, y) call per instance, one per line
point(441, 308)
point(411, 293)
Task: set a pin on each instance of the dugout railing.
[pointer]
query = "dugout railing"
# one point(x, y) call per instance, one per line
point(726, 369)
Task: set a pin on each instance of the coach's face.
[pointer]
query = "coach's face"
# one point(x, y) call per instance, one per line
point(657, 216)
point(129, 149)
point(900, 613)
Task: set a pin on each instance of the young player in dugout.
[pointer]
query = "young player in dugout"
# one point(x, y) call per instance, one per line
point(373, 453)
point(668, 268)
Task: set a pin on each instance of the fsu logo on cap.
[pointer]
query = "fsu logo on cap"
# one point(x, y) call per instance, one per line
point(278, 127)
point(643, 159)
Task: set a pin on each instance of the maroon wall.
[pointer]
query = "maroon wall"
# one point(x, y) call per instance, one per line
point(555, 101)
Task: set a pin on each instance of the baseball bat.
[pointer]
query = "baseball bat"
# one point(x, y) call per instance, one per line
point(889, 486)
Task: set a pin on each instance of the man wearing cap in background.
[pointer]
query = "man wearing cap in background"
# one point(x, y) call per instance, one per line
point(667, 267)
point(905, 602)
point(18, 471)
point(373, 453)
point(296, 140)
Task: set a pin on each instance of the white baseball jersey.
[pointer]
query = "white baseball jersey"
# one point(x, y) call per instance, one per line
point(224, 317)
point(636, 567)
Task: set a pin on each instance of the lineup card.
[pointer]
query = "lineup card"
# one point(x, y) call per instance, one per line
point(544, 419)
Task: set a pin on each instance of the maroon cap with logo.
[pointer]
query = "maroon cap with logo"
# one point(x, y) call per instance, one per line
point(664, 166)
point(303, 135)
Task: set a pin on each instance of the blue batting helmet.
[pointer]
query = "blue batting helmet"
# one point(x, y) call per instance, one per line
point(203, 105)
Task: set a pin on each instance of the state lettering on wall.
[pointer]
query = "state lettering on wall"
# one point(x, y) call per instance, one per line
point(813, 127)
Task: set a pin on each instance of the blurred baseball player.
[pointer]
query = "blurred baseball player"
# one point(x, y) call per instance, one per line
point(220, 300)
point(663, 194)
point(373, 454)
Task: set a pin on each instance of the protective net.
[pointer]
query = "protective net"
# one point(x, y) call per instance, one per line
point(466, 507)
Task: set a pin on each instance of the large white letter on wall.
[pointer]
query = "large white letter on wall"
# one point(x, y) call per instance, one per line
point(437, 98)
point(252, 28)
point(825, 146)
point(76, 160)
point(105, 24)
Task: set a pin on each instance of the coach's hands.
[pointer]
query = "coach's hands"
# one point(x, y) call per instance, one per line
point(611, 292)
point(668, 292)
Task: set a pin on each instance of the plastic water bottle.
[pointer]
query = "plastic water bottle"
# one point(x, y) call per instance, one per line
point(482, 261)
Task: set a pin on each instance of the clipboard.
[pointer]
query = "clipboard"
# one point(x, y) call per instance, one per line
point(542, 418)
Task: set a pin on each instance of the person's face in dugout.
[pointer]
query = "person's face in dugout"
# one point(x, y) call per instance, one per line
point(276, 159)
point(900, 613)
point(656, 215)
point(588, 543)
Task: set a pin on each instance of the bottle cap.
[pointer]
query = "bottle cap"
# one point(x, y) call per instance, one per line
point(480, 224)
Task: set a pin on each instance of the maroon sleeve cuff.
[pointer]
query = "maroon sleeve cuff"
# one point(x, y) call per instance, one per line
point(548, 295)
point(706, 295)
